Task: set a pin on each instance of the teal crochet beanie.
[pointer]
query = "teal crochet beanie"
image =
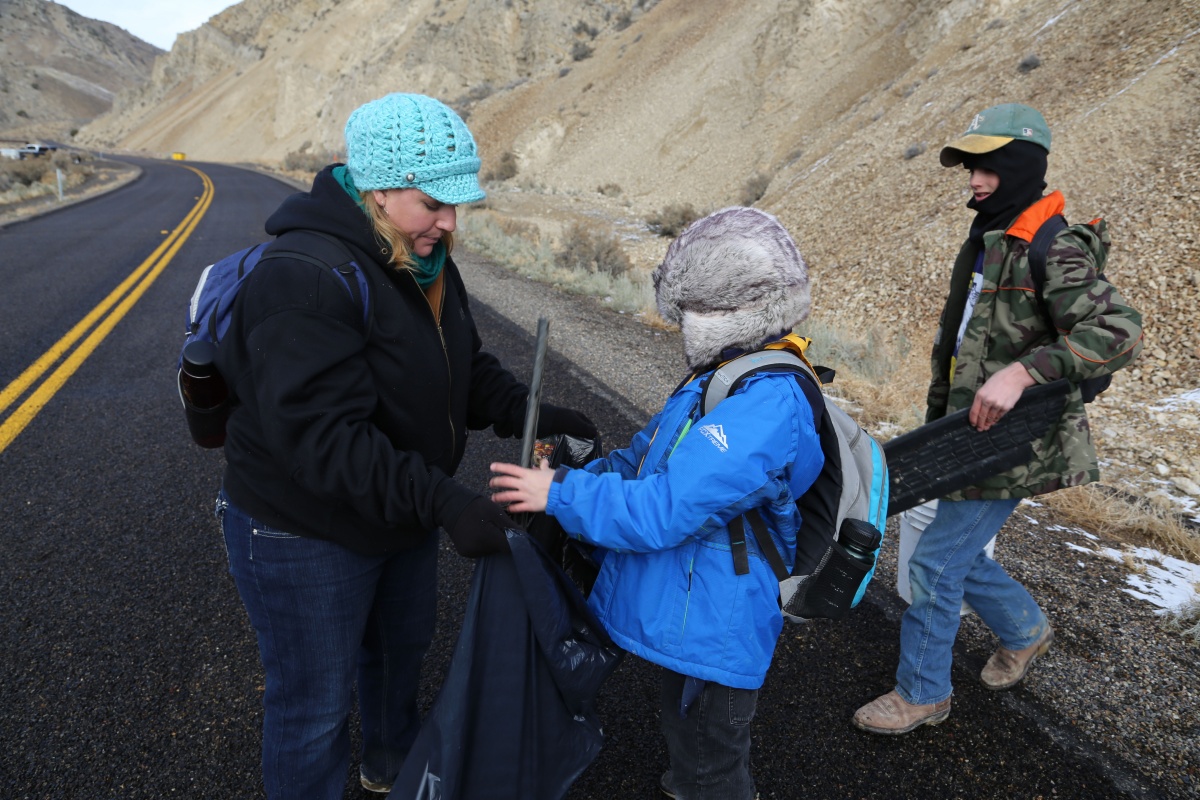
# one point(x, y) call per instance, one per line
point(404, 141)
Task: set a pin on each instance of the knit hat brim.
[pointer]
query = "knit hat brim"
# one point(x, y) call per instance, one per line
point(454, 189)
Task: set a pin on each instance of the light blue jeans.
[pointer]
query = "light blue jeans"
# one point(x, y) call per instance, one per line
point(328, 618)
point(948, 565)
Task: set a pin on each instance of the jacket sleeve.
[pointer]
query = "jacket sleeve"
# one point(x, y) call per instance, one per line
point(315, 394)
point(938, 393)
point(1098, 331)
point(627, 461)
point(726, 464)
point(496, 398)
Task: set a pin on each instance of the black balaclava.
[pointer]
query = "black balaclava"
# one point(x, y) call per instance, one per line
point(1021, 166)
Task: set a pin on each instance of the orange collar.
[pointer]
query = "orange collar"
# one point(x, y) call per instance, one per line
point(1032, 218)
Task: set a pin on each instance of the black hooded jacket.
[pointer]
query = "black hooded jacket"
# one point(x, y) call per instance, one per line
point(344, 434)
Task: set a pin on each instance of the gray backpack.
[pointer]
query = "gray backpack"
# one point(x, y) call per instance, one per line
point(843, 513)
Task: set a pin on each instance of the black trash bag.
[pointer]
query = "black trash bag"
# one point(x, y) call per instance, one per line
point(515, 718)
point(573, 556)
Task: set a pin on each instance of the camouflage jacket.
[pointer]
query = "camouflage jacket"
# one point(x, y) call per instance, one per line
point(1094, 331)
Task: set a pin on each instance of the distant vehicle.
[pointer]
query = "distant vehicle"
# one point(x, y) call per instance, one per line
point(33, 149)
point(178, 156)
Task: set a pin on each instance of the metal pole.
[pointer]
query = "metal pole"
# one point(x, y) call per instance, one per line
point(535, 393)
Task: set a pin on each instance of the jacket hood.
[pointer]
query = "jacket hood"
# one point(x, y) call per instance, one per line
point(327, 208)
point(731, 280)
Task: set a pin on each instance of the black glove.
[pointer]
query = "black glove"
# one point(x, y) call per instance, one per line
point(556, 419)
point(478, 530)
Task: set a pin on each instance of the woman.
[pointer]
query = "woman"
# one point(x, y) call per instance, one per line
point(348, 430)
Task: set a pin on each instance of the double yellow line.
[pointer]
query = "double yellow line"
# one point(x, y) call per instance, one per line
point(99, 321)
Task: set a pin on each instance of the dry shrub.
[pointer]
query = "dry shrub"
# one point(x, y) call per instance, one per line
point(22, 172)
point(1102, 510)
point(1185, 620)
point(518, 229)
point(754, 189)
point(310, 162)
point(36, 174)
point(581, 51)
point(672, 219)
point(651, 318)
point(592, 251)
point(506, 169)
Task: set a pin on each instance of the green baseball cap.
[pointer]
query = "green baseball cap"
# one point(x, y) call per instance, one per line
point(995, 127)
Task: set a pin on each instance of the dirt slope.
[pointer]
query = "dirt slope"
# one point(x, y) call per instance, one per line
point(58, 70)
point(842, 104)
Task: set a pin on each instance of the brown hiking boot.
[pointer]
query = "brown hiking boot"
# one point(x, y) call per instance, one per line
point(1006, 668)
point(892, 714)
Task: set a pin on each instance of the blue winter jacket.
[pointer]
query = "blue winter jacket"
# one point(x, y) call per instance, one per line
point(667, 590)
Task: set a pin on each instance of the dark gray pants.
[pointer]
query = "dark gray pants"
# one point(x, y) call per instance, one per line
point(710, 747)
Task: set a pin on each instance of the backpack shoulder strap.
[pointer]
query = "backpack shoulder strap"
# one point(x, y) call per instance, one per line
point(724, 380)
point(1039, 249)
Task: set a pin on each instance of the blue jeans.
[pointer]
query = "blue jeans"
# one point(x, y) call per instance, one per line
point(710, 748)
point(948, 565)
point(326, 616)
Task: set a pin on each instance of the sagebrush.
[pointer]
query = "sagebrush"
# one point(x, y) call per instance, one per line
point(672, 219)
point(587, 249)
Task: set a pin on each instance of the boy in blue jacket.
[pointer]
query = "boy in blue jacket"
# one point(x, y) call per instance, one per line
point(660, 509)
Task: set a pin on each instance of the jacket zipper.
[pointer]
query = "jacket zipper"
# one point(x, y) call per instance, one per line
point(437, 324)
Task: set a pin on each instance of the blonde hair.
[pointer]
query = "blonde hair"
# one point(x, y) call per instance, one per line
point(395, 242)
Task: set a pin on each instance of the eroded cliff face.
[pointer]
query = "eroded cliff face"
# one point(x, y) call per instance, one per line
point(842, 105)
point(59, 70)
point(266, 76)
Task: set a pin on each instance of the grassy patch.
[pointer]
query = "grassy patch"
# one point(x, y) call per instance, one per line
point(523, 248)
point(876, 375)
point(1100, 509)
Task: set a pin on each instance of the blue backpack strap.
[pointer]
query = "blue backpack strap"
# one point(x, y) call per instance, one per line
point(327, 251)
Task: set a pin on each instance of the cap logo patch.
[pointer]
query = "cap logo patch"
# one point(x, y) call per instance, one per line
point(1027, 132)
point(976, 122)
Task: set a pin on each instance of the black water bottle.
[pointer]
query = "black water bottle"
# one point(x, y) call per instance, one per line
point(860, 539)
point(851, 557)
point(204, 394)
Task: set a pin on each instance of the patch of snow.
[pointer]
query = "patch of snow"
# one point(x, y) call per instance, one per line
point(1177, 401)
point(1167, 582)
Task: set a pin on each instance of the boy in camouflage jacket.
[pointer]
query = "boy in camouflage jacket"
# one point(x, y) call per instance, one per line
point(996, 338)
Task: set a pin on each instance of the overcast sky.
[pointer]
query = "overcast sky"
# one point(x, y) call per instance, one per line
point(155, 21)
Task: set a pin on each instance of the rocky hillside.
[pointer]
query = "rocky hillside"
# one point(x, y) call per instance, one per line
point(269, 77)
point(59, 70)
point(841, 105)
point(837, 107)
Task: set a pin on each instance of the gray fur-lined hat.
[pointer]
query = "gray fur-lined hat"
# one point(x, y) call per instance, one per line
point(731, 280)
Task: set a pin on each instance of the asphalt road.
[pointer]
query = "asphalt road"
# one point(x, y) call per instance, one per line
point(127, 665)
